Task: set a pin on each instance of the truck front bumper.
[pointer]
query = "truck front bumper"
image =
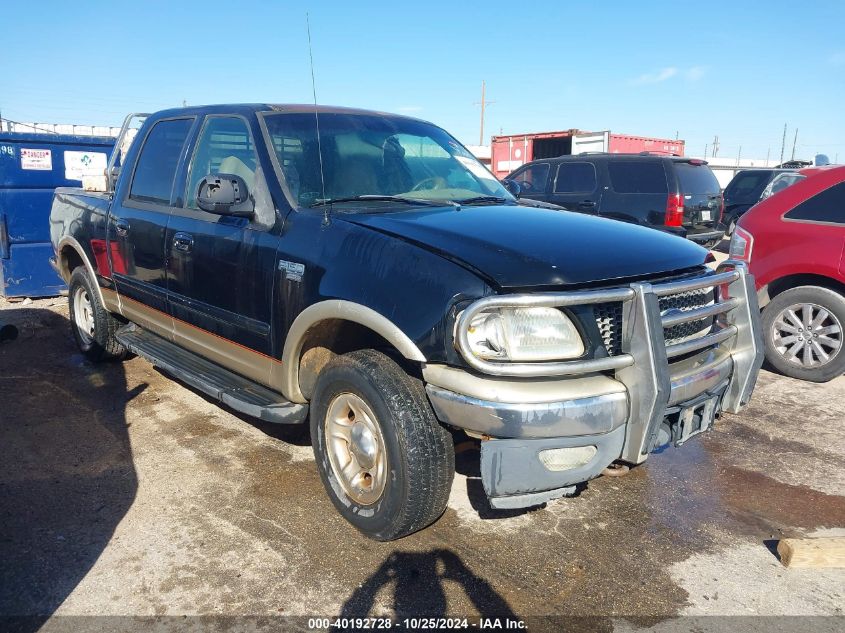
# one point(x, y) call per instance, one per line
point(540, 437)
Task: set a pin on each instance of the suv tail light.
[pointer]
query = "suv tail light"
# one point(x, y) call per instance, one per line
point(721, 208)
point(674, 210)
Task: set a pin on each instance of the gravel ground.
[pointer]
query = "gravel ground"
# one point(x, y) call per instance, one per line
point(122, 492)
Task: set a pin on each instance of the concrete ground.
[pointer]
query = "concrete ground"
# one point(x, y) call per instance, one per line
point(122, 492)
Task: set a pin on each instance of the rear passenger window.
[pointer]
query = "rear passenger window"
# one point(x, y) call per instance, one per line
point(575, 178)
point(533, 179)
point(637, 176)
point(157, 163)
point(827, 206)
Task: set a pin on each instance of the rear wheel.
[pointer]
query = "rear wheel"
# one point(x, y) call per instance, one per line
point(93, 326)
point(385, 461)
point(803, 331)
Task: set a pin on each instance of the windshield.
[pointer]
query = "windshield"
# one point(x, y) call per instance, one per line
point(370, 155)
point(780, 182)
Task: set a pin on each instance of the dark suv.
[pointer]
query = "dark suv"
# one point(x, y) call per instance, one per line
point(674, 194)
point(746, 189)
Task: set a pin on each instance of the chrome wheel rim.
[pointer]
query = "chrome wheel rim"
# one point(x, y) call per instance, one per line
point(83, 315)
point(356, 449)
point(807, 335)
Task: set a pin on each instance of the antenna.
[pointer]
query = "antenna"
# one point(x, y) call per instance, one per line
point(794, 142)
point(783, 143)
point(316, 118)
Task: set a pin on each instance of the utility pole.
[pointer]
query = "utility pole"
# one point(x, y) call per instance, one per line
point(715, 146)
point(484, 103)
point(768, 151)
point(706, 146)
point(794, 142)
point(738, 155)
point(783, 143)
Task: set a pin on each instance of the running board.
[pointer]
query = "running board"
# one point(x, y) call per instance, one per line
point(231, 389)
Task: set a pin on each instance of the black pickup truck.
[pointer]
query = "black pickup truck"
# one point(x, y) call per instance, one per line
point(363, 271)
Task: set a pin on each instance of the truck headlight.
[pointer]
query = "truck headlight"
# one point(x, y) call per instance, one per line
point(524, 334)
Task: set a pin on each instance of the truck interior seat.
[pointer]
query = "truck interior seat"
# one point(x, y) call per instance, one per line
point(234, 165)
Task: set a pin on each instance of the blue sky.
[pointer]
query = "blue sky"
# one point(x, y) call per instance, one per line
point(737, 69)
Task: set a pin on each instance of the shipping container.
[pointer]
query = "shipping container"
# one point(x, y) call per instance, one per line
point(514, 150)
point(32, 165)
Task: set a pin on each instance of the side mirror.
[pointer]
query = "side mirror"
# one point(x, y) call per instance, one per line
point(512, 186)
point(225, 194)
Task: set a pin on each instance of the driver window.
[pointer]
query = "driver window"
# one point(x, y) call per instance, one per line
point(225, 147)
point(533, 178)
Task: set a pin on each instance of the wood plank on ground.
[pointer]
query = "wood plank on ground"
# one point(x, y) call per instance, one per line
point(812, 552)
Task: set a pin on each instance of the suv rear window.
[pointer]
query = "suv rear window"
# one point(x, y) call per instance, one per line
point(637, 176)
point(747, 186)
point(696, 178)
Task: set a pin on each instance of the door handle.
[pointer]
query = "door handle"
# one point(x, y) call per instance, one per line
point(121, 227)
point(183, 242)
point(587, 204)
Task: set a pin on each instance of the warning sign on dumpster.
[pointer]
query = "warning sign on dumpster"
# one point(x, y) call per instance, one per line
point(40, 159)
point(79, 164)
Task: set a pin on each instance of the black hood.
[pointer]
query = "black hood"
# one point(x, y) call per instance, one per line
point(523, 247)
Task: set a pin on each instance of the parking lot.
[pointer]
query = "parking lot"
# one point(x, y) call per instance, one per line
point(126, 493)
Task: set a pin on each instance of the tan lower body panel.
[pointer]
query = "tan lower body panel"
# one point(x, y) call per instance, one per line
point(232, 356)
point(111, 300)
point(145, 316)
point(225, 353)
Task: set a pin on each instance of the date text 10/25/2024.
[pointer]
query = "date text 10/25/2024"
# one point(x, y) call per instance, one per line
point(415, 624)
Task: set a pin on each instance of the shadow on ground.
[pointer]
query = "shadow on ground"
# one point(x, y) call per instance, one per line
point(66, 471)
point(417, 581)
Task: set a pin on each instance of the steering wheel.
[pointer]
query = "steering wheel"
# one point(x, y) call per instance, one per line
point(435, 182)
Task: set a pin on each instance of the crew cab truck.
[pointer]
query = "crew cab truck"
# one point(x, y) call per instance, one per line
point(364, 272)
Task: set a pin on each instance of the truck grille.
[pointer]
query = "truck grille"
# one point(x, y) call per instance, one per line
point(686, 301)
point(609, 321)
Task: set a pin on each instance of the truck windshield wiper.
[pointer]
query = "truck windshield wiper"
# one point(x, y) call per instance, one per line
point(496, 199)
point(380, 198)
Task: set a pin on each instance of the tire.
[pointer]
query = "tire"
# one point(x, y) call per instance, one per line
point(408, 490)
point(93, 326)
point(779, 332)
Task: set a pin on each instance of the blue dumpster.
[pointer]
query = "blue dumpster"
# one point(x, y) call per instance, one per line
point(31, 167)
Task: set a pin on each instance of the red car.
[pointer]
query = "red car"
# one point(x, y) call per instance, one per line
point(794, 243)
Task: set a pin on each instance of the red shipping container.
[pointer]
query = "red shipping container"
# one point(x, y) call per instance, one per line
point(514, 150)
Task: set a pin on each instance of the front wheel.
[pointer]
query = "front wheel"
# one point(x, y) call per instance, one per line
point(93, 326)
point(803, 333)
point(384, 460)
